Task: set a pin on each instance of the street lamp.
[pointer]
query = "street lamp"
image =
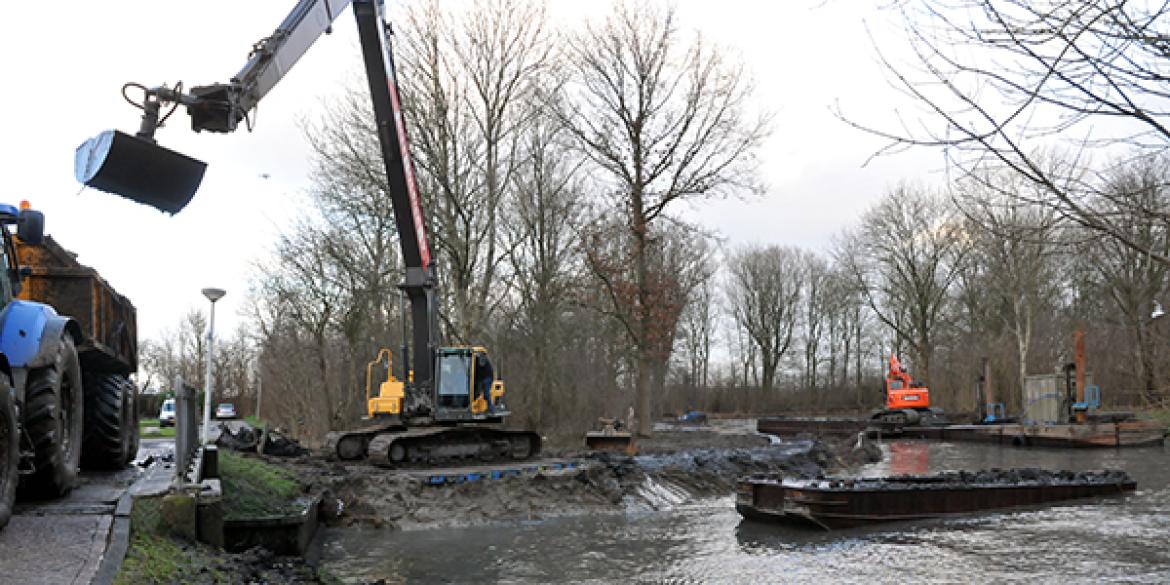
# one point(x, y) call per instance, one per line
point(212, 294)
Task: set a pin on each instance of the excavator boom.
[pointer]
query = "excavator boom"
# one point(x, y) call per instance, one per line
point(137, 168)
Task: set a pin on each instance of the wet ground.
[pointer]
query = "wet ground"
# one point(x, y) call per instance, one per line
point(674, 465)
point(701, 539)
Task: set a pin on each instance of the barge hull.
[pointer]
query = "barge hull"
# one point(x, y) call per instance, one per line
point(828, 505)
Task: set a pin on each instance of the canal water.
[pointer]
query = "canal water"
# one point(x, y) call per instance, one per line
point(1109, 540)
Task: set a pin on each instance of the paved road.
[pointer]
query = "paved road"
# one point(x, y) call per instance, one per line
point(62, 541)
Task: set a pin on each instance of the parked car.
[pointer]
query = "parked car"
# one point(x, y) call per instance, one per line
point(166, 414)
point(225, 410)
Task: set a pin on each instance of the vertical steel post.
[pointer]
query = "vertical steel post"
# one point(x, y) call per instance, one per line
point(1079, 359)
point(181, 439)
point(212, 294)
point(207, 379)
point(988, 391)
point(259, 392)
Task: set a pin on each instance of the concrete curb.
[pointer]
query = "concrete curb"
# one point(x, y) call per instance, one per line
point(118, 543)
point(155, 480)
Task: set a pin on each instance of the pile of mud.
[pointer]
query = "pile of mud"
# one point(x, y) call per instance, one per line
point(670, 469)
point(1025, 477)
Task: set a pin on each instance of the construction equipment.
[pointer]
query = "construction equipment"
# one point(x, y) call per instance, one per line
point(66, 398)
point(991, 411)
point(907, 403)
point(107, 348)
point(40, 381)
point(612, 436)
point(447, 392)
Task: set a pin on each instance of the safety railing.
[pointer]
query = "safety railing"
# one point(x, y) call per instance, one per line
point(186, 431)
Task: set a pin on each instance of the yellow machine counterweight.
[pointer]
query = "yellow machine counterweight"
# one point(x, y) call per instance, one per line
point(391, 391)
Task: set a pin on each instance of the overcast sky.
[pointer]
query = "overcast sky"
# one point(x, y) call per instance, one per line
point(64, 63)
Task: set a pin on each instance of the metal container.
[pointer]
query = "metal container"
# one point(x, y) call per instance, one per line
point(1047, 398)
point(1044, 399)
point(108, 320)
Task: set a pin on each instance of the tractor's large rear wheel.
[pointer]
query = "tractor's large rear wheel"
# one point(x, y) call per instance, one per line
point(9, 451)
point(53, 419)
point(130, 413)
point(109, 426)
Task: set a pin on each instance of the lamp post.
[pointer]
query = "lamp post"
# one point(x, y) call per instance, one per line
point(259, 390)
point(212, 294)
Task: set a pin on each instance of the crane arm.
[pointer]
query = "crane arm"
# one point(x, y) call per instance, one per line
point(220, 107)
point(137, 168)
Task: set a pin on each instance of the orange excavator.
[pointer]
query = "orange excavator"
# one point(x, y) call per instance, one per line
point(907, 402)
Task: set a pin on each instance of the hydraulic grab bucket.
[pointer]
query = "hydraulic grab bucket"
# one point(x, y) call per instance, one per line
point(139, 170)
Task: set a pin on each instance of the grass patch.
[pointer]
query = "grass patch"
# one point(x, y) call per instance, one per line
point(153, 558)
point(157, 557)
point(148, 428)
point(255, 422)
point(254, 489)
point(1162, 414)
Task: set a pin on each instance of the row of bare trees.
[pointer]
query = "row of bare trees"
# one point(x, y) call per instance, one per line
point(942, 281)
point(552, 163)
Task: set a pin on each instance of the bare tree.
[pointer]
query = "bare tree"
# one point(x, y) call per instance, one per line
point(745, 368)
point(764, 289)
point(544, 257)
point(682, 262)
point(697, 330)
point(1002, 81)
point(178, 351)
point(471, 83)
point(663, 120)
point(1014, 246)
point(308, 304)
point(815, 314)
point(905, 258)
point(1131, 278)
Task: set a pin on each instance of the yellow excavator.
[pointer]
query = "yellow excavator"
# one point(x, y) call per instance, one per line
point(450, 401)
point(469, 391)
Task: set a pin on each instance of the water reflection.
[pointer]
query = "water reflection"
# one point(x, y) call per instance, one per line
point(909, 457)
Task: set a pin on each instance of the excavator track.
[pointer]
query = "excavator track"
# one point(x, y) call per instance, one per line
point(351, 445)
point(436, 446)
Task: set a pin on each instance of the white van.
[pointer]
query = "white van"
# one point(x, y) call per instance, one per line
point(166, 414)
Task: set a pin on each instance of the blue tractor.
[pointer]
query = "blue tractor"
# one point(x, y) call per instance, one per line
point(41, 391)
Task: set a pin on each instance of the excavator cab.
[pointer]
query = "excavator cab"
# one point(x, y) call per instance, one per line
point(466, 386)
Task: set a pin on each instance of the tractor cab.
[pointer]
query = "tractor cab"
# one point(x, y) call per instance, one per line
point(30, 227)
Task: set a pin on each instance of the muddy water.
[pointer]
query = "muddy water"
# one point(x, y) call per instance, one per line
point(1125, 540)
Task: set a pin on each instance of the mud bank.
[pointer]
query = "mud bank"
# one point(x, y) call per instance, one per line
point(670, 469)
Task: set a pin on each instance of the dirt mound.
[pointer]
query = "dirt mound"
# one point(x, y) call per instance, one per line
point(680, 441)
point(671, 473)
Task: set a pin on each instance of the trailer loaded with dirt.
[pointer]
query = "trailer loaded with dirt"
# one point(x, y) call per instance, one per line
point(107, 349)
point(66, 398)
